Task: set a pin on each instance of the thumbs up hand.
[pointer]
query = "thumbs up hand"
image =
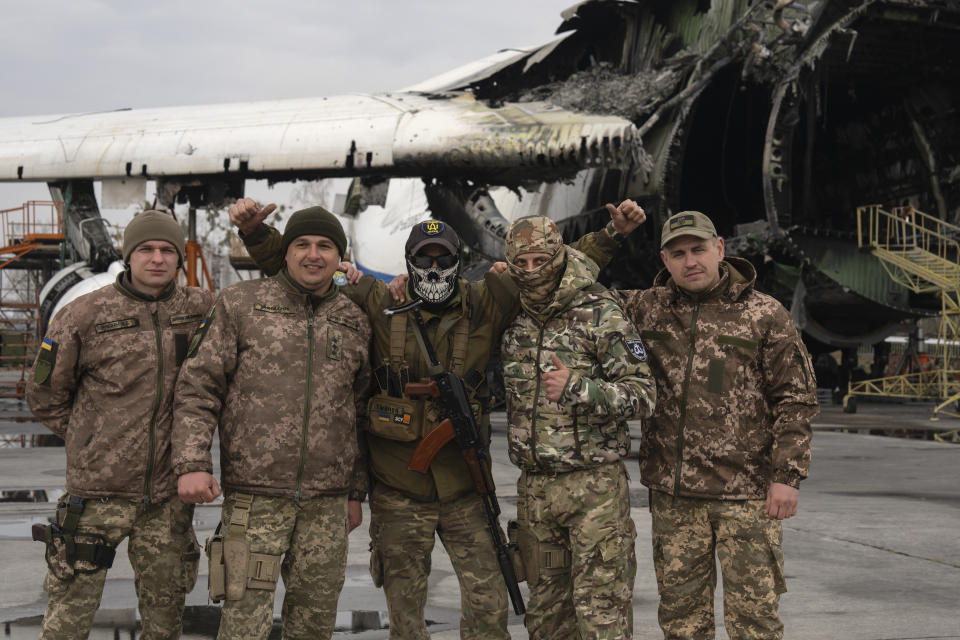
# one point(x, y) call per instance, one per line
point(246, 214)
point(627, 216)
point(555, 381)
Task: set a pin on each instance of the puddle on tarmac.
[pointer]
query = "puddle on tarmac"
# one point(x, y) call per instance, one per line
point(199, 623)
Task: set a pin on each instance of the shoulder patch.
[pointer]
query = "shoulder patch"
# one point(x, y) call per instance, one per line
point(636, 349)
point(115, 325)
point(345, 321)
point(272, 308)
point(46, 360)
point(201, 332)
point(185, 318)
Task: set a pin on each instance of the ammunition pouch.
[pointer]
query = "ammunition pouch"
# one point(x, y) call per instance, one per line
point(399, 419)
point(263, 571)
point(232, 568)
point(216, 576)
point(68, 552)
point(540, 559)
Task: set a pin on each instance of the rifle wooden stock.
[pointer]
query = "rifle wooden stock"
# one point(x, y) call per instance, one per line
point(431, 444)
point(421, 389)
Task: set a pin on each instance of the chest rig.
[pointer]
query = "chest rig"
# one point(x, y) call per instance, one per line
point(393, 414)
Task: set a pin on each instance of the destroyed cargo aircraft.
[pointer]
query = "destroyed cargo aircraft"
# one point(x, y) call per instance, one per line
point(777, 119)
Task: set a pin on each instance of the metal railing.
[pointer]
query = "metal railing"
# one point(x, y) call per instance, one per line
point(34, 221)
point(922, 253)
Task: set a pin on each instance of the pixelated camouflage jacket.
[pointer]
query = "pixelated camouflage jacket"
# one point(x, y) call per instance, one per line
point(609, 381)
point(489, 305)
point(103, 381)
point(735, 388)
point(288, 385)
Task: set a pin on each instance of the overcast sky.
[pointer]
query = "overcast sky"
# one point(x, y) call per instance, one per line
point(85, 55)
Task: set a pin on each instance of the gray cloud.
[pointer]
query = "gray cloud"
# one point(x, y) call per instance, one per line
point(86, 55)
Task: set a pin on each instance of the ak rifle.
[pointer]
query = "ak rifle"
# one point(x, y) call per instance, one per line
point(460, 424)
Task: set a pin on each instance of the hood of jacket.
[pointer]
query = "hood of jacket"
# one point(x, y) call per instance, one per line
point(737, 277)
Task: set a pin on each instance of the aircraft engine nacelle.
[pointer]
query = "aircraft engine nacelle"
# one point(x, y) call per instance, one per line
point(69, 284)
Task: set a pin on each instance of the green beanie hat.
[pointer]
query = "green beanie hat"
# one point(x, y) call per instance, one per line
point(153, 225)
point(314, 221)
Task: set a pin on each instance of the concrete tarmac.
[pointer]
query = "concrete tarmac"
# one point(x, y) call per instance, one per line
point(874, 553)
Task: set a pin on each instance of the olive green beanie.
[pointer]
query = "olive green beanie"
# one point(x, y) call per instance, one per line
point(314, 221)
point(153, 225)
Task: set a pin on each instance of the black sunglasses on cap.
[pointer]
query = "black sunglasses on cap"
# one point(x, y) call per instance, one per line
point(445, 261)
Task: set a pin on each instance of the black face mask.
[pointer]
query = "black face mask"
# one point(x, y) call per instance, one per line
point(433, 285)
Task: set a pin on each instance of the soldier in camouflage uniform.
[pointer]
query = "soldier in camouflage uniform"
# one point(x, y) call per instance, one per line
point(103, 381)
point(575, 372)
point(281, 365)
point(409, 509)
point(729, 443)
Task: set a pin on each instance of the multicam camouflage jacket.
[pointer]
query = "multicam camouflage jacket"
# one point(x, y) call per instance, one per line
point(103, 381)
point(488, 306)
point(609, 381)
point(287, 383)
point(735, 388)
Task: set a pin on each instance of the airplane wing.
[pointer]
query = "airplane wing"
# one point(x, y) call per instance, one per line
point(399, 134)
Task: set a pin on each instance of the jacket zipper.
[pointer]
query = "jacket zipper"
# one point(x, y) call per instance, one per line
point(577, 445)
point(683, 398)
point(147, 481)
point(536, 399)
point(306, 407)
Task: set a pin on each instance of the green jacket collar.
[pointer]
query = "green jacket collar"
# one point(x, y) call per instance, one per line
point(737, 277)
point(293, 287)
point(124, 285)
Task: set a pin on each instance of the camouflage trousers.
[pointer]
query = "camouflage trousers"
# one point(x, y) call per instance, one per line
point(163, 551)
point(686, 534)
point(402, 534)
point(587, 513)
point(311, 535)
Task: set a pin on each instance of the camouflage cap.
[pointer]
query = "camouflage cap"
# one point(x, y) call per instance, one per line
point(532, 234)
point(432, 232)
point(687, 223)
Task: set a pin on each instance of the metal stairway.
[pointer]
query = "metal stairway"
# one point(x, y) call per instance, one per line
point(31, 247)
point(922, 253)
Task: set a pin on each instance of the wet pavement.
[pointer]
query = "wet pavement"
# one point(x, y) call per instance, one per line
point(873, 555)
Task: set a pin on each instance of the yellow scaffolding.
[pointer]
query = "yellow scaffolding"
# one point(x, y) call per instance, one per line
point(922, 253)
point(31, 231)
